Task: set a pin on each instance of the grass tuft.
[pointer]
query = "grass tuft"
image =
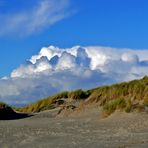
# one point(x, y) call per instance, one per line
point(78, 94)
point(113, 105)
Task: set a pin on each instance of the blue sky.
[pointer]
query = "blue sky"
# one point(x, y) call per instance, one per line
point(114, 23)
point(112, 35)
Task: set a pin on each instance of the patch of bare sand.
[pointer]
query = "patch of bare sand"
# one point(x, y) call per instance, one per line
point(79, 129)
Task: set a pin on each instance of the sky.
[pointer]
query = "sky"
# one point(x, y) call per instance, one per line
point(114, 23)
point(46, 45)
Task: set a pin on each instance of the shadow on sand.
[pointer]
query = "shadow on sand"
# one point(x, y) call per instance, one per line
point(14, 116)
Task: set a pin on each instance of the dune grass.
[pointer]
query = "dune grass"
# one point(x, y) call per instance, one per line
point(5, 110)
point(113, 105)
point(4, 106)
point(48, 103)
point(125, 96)
point(44, 104)
point(78, 94)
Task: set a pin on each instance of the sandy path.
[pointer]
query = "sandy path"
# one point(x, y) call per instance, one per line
point(83, 131)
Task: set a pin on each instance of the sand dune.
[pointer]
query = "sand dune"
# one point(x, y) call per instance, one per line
point(79, 130)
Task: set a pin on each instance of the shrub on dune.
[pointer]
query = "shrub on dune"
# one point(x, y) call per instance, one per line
point(5, 110)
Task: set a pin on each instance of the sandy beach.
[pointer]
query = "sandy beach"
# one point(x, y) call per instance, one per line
point(86, 129)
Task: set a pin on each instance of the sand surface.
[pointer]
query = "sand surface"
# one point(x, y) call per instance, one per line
point(83, 130)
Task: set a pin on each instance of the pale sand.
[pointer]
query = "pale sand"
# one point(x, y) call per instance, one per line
point(81, 130)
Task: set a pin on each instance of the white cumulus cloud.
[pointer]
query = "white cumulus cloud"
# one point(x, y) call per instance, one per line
point(54, 69)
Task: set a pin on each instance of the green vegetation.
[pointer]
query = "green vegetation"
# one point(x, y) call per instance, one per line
point(134, 96)
point(113, 105)
point(5, 110)
point(78, 94)
point(4, 107)
point(127, 96)
point(49, 103)
point(44, 104)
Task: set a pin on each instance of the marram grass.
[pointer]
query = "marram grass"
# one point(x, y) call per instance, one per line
point(125, 96)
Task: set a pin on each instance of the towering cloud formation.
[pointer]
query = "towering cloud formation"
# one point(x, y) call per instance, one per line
point(54, 69)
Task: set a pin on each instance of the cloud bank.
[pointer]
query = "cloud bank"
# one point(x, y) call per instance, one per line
point(42, 14)
point(54, 69)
